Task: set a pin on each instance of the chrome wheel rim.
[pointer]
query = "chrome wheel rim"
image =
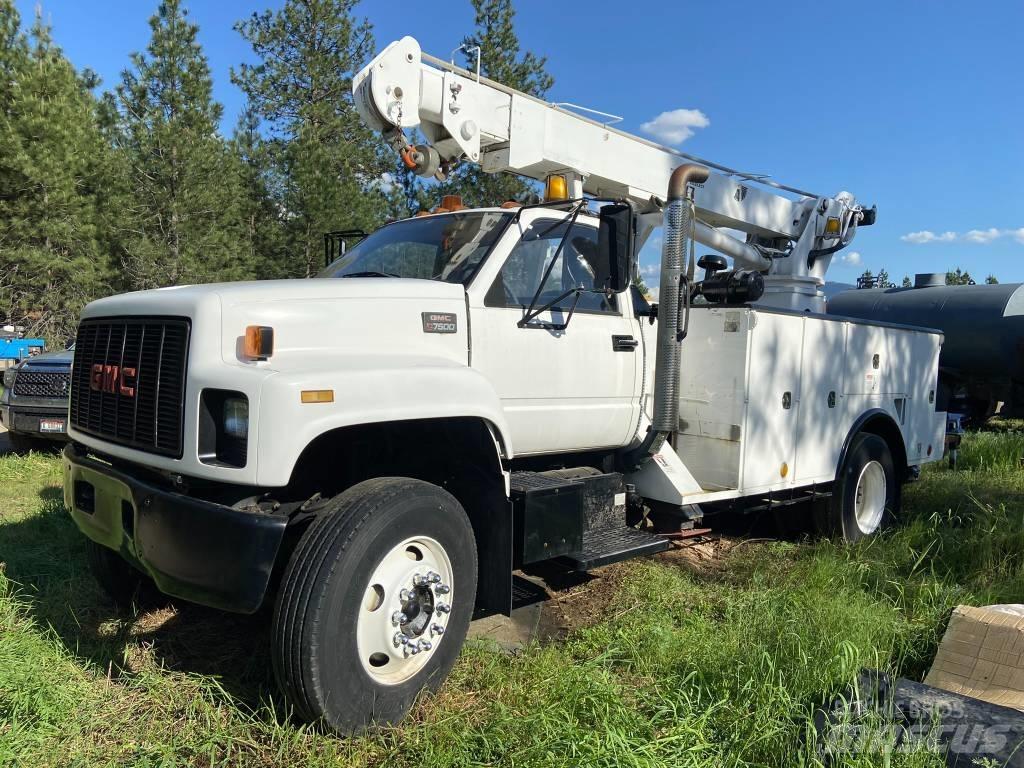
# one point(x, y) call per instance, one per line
point(404, 610)
point(869, 498)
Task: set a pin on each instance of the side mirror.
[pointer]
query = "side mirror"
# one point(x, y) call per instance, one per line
point(614, 247)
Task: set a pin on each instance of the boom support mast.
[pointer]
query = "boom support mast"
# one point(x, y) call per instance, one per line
point(790, 234)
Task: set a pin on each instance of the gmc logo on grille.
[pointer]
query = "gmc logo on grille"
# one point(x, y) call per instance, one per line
point(112, 379)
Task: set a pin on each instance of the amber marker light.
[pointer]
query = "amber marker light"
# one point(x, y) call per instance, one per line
point(259, 342)
point(318, 396)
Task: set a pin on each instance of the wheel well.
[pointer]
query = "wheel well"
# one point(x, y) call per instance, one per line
point(438, 451)
point(457, 454)
point(882, 424)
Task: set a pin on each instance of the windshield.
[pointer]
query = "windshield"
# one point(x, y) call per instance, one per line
point(447, 247)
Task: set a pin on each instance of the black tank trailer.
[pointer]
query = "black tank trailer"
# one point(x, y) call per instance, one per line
point(981, 366)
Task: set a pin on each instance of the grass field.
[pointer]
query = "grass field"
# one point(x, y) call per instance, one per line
point(719, 663)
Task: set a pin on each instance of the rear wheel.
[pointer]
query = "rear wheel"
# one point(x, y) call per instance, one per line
point(375, 603)
point(865, 495)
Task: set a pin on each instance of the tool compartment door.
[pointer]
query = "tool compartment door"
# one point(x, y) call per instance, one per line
point(824, 419)
point(773, 385)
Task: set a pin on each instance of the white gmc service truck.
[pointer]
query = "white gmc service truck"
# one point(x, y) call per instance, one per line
point(469, 392)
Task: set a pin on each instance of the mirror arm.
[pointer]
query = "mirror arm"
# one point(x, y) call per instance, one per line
point(554, 259)
point(531, 314)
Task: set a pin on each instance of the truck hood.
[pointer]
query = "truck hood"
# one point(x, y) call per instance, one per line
point(316, 317)
point(51, 360)
point(148, 302)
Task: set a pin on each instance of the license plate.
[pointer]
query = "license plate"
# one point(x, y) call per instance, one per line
point(51, 425)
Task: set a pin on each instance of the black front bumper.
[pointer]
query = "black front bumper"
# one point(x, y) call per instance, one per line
point(197, 550)
point(26, 420)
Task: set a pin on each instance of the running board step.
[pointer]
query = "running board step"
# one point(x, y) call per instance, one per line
point(612, 545)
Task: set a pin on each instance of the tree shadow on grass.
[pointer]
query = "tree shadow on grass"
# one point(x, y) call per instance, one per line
point(44, 554)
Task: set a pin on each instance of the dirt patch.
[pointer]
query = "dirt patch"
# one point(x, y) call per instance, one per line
point(577, 602)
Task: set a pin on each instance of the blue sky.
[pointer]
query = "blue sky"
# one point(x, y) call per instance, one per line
point(915, 106)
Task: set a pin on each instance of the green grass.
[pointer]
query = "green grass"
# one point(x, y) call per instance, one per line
point(690, 665)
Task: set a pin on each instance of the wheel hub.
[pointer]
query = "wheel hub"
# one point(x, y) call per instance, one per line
point(417, 610)
point(869, 497)
point(405, 610)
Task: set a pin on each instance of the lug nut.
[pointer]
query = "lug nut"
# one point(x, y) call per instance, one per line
point(397, 639)
point(442, 589)
point(398, 618)
point(413, 649)
point(435, 578)
point(404, 595)
point(419, 580)
point(425, 645)
point(437, 629)
point(442, 608)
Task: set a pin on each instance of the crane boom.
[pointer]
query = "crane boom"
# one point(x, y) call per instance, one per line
point(790, 234)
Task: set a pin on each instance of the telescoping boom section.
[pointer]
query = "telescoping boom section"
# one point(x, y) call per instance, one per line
point(790, 234)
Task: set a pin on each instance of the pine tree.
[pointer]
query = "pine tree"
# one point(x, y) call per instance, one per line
point(263, 228)
point(991, 280)
point(882, 281)
point(13, 63)
point(329, 164)
point(51, 161)
point(502, 61)
point(184, 184)
point(906, 282)
point(959, 277)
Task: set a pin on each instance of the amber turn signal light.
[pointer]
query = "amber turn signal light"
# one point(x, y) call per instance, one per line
point(259, 342)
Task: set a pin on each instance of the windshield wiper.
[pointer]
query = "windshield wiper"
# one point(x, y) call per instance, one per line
point(370, 273)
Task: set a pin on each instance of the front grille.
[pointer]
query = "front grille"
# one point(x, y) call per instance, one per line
point(128, 381)
point(42, 383)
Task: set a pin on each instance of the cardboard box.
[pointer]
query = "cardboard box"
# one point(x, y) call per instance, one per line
point(982, 656)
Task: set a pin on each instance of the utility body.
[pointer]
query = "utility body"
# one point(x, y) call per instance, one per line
point(472, 391)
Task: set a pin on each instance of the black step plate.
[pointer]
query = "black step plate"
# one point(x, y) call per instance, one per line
point(612, 545)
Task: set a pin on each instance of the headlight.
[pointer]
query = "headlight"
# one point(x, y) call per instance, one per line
point(236, 417)
point(9, 376)
point(223, 427)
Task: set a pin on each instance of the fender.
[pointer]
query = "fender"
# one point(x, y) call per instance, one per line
point(876, 415)
point(367, 389)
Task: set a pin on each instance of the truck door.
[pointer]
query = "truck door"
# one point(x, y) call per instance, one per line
point(562, 390)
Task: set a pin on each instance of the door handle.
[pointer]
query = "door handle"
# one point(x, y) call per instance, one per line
point(624, 343)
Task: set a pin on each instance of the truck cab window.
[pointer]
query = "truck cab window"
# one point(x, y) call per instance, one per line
point(447, 247)
point(523, 270)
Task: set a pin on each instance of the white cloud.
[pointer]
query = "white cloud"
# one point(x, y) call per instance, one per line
point(649, 270)
point(982, 235)
point(927, 236)
point(853, 258)
point(976, 236)
point(676, 125)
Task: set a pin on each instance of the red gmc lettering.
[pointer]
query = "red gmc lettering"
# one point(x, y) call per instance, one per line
point(112, 379)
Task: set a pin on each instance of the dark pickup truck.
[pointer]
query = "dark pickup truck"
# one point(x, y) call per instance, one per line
point(34, 403)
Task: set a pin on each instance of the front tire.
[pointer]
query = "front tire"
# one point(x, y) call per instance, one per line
point(865, 495)
point(375, 603)
point(120, 581)
point(22, 443)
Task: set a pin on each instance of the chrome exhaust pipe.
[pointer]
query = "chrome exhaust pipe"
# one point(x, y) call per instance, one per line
point(678, 223)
